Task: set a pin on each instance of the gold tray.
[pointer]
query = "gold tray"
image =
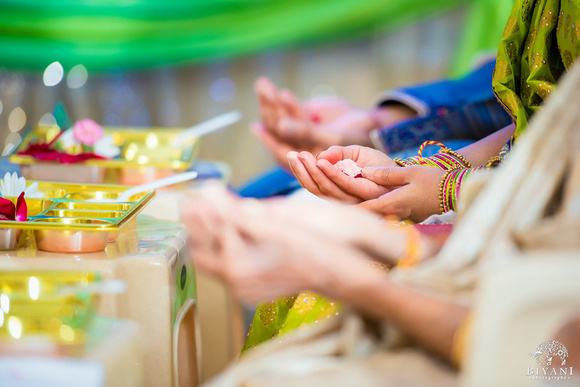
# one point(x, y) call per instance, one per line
point(146, 154)
point(63, 221)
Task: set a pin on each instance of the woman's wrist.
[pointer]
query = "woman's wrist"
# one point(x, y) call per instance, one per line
point(356, 283)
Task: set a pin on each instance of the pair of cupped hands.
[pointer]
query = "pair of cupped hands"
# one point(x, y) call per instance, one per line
point(311, 137)
point(270, 248)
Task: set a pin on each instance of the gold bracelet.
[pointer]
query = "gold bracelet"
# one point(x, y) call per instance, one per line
point(400, 162)
point(442, 198)
point(459, 156)
point(494, 161)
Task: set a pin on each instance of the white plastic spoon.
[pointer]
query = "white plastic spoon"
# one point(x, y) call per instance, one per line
point(125, 195)
point(208, 126)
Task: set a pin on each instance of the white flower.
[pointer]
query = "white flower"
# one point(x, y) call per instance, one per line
point(105, 147)
point(12, 185)
point(67, 140)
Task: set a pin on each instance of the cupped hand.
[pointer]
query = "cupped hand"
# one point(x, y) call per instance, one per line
point(313, 126)
point(320, 176)
point(361, 155)
point(416, 197)
point(261, 256)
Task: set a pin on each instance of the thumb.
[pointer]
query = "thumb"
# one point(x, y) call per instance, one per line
point(391, 176)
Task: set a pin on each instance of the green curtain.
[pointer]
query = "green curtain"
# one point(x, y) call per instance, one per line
point(136, 34)
point(483, 30)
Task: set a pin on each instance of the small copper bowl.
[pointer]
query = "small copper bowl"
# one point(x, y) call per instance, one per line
point(72, 241)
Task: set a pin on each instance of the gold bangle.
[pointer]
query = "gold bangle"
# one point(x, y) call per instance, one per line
point(400, 162)
point(494, 161)
point(442, 205)
point(459, 156)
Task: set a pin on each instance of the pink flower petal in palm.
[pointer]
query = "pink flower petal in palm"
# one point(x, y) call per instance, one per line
point(349, 168)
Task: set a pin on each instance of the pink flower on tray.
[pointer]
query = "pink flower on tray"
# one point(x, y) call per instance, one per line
point(87, 132)
point(9, 212)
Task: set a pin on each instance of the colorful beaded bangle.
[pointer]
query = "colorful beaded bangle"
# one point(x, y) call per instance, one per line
point(445, 159)
point(443, 150)
point(453, 179)
point(439, 160)
point(443, 206)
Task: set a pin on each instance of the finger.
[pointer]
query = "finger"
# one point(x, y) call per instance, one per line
point(240, 269)
point(361, 189)
point(306, 134)
point(222, 200)
point(252, 220)
point(297, 132)
point(276, 108)
point(337, 153)
point(325, 184)
point(202, 233)
point(303, 176)
point(392, 203)
point(292, 105)
point(391, 176)
point(326, 109)
point(267, 98)
point(278, 148)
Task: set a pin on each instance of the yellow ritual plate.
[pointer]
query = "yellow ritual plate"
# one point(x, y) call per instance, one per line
point(63, 221)
point(139, 147)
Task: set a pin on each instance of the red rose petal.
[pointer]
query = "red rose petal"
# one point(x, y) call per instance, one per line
point(21, 209)
point(7, 209)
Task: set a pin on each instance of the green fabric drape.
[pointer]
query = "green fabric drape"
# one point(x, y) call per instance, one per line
point(135, 34)
point(540, 42)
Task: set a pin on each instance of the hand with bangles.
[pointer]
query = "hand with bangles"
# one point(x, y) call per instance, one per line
point(416, 196)
point(316, 124)
point(385, 188)
point(409, 192)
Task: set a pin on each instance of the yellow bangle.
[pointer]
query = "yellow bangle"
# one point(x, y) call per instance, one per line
point(461, 341)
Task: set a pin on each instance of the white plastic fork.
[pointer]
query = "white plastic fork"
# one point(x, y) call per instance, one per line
point(125, 195)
